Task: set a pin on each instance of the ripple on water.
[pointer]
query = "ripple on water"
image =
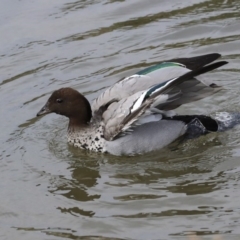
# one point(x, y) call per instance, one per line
point(50, 190)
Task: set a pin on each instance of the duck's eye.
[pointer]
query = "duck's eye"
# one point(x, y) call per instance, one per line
point(59, 100)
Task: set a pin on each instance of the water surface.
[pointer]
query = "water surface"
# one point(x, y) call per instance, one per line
point(50, 190)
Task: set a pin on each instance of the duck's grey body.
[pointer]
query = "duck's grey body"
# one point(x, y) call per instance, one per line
point(135, 142)
point(147, 137)
point(136, 115)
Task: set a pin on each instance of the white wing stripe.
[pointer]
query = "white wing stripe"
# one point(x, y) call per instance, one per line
point(161, 99)
point(138, 103)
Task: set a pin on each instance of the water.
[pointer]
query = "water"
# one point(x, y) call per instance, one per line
point(50, 190)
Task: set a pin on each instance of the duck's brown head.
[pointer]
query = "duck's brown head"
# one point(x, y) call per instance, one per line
point(70, 103)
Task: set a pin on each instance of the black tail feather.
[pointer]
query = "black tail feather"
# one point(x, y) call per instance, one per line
point(209, 123)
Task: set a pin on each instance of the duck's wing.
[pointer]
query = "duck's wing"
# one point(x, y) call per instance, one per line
point(120, 117)
point(154, 75)
point(138, 82)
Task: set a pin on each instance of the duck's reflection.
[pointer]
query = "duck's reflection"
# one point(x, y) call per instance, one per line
point(105, 180)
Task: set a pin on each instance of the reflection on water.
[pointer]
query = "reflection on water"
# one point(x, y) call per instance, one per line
point(50, 190)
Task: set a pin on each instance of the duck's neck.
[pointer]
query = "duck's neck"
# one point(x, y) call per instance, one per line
point(80, 115)
point(77, 126)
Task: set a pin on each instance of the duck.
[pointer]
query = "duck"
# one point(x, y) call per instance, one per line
point(137, 114)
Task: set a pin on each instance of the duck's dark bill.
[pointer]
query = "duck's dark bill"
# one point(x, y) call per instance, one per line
point(43, 111)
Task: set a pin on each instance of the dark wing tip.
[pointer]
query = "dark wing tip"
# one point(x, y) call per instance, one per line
point(217, 64)
point(216, 55)
point(194, 63)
